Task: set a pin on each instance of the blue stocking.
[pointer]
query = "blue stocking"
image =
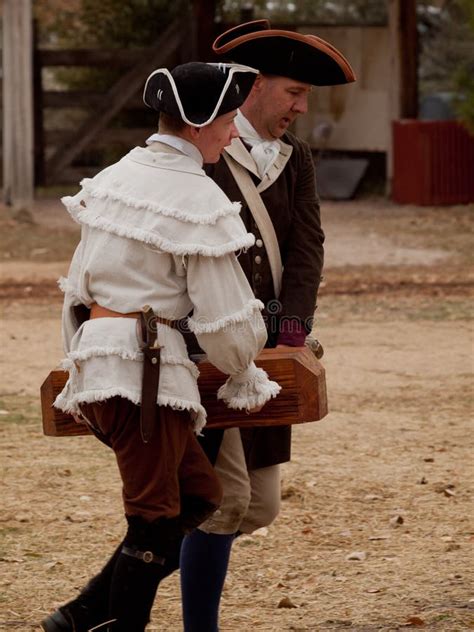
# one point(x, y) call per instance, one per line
point(204, 560)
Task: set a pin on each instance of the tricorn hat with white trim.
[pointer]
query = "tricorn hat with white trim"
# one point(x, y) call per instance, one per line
point(306, 58)
point(198, 92)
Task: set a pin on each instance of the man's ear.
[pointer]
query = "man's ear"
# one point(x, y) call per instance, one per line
point(190, 133)
point(194, 132)
point(258, 83)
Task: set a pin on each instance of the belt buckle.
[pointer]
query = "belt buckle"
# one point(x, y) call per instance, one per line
point(147, 556)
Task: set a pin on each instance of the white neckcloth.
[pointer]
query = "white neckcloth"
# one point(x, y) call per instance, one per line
point(264, 152)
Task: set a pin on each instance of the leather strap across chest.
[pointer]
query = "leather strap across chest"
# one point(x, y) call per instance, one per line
point(261, 217)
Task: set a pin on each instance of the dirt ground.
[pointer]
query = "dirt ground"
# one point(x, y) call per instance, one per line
point(376, 530)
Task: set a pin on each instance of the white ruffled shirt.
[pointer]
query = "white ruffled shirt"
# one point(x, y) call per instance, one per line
point(156, 230)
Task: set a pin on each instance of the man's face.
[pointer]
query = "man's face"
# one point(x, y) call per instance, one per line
point(212, 138)
point(274, 104)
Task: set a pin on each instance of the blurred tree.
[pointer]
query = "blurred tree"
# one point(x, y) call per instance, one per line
point(447, 54)
point(464, 78)
point(446, 43)
point(464, 103)
point(109, 23)
point(309, 11)
point(445, 26)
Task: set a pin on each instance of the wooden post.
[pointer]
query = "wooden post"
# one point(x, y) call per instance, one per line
point(403, 67)
point(204, 15)
point(38, 116)
point(18, 167)
point(247, 12)
point(114, 100)
point(408, 59)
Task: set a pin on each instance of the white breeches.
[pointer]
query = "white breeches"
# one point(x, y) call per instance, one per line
point(251, 497)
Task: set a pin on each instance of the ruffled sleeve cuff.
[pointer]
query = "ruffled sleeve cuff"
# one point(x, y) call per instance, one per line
point(248, 389)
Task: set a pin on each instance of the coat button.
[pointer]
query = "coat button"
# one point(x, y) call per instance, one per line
point(258, 259)
point(257, 278)
point(259, 243)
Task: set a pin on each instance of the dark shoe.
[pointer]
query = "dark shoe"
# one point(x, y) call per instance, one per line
point(57, 622)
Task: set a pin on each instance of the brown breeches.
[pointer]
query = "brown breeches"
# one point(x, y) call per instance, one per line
point(157, 475)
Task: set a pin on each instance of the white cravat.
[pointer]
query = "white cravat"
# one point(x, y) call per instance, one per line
point(264, 152)
point(179, 143)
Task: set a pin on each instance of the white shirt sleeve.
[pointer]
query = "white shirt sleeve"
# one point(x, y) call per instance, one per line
point(229, 328)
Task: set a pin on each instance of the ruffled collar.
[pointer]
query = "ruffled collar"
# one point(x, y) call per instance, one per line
point(179, 143)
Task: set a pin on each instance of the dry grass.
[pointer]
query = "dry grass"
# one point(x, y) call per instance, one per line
point(387, 475)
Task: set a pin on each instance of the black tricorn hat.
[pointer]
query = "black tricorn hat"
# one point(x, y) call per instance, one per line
point(306, 58)
point(198, 92)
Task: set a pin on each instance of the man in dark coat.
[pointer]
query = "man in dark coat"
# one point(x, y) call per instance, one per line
point(281, 167)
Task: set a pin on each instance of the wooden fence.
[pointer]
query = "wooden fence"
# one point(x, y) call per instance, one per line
point(59, 151)
point(53, 137)
point(62, 154)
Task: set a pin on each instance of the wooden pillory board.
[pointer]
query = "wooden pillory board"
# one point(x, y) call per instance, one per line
point(301, 400)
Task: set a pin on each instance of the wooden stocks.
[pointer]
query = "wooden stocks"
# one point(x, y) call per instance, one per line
point(301, 400)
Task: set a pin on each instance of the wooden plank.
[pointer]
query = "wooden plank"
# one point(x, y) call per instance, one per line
point(71, 99)
point(18, 164)
point(83, 99)
point(73, 175)
point(127, 136)
point(115, 58)
point(129, 84)
point(302, 398)
point(56, 423)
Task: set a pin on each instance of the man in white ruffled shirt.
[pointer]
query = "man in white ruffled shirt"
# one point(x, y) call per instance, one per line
point(157, 231)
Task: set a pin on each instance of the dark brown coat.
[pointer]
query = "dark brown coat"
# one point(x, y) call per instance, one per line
point(293, 205)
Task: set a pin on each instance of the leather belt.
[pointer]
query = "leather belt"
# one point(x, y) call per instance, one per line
point(148, 325)
point(97, 311)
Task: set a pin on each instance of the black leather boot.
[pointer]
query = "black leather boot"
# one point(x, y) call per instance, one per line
point(133, 589)
point(57, 622)
point(150, 553)
point(89, 608)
